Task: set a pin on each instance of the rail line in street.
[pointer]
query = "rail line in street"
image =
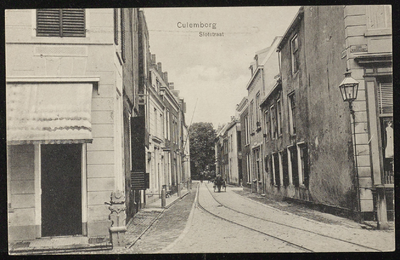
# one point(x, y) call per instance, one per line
point(323, 236)
point(250, 228)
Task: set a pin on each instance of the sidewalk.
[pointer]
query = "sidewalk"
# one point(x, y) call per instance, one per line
point(145, 218)
point(138, 225)
point(306, 212)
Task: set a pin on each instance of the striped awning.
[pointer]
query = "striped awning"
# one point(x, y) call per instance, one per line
point(48, 113)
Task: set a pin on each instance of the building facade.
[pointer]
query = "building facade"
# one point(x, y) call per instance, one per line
point(66, 143)
point(317, 156)
point(264, 70)
point(368, 32)
point(244, 153)
point(83, 120)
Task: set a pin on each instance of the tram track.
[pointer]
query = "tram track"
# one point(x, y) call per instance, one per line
point(252, 229)
point(293, 244)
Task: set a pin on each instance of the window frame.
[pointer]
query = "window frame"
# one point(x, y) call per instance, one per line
point(291, 111)
point(279, 117)
point(294, 50)
point(273, 123)
point(267, 124)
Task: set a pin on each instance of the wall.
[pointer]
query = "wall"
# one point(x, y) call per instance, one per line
point(331, 178)
point(28, 55)
point(233, 156)
point(21, 197)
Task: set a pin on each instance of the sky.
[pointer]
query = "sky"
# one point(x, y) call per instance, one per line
point(211, 72)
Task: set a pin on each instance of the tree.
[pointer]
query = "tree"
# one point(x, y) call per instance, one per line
point(202, 152)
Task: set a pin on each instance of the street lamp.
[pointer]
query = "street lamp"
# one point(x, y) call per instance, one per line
point(349, 89)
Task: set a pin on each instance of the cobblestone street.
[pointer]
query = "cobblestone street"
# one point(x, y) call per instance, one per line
point(320, 233)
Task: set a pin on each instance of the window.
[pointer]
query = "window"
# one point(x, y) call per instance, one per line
point(239, 140)
point(60, 22)
point(294, 48)
point(116, 28)
point(258, 164)
point(251, 115)
point(123, 34)
point(258, 111)
point(273, 122)
point(248, 169)
point(379, 16)
point(155, 122)
point(276, 169)
point(270, 170)
point(294, 163)
point(162, 126)
point(385, 111)
point(246, 132)
point(285, 168)
point(267, 131)
point(292, 107)
point(279, 116)
point(303, 170)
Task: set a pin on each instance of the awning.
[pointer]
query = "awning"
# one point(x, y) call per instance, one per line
point(48, 113)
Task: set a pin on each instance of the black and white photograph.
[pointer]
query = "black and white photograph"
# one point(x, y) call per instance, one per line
point(199, 130)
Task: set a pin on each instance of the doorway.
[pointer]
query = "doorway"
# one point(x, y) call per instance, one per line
point(61, 189)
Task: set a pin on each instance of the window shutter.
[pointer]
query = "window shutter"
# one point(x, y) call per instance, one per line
point(385, 98)
point(73, 22)
point(48, 22)
point(60, 22)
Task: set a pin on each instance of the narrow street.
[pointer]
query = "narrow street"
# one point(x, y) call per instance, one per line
point(226, 222)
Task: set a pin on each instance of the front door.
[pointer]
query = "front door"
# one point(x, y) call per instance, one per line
point(61, 189)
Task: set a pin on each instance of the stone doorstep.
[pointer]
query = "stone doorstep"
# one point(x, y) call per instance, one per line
point(55, 245)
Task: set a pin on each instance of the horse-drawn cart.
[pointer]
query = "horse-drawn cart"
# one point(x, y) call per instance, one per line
point(219, 183)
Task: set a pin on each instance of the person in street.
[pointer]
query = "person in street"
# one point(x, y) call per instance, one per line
point(201, 177)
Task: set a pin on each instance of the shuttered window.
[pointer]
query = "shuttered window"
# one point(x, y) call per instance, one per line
point(60, 22)
point(385, 98)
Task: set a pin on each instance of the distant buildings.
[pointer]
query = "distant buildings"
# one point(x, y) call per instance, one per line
point(227, 147)
point(88, 114)
point(297, 132)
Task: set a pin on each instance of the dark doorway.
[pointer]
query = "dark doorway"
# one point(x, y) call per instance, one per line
point(61, 189)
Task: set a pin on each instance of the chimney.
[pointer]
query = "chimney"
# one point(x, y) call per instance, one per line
point(153, 59)
point(165, 77)
point(159, 68)
point(171, 85)
point(256, 58)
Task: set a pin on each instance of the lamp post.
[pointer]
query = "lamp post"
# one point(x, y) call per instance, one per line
point(349, 89)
